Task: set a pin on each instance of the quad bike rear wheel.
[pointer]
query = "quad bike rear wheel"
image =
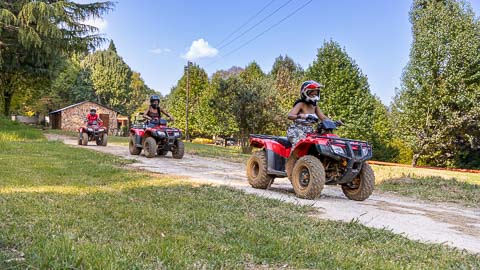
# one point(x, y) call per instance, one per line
point(85, 139)
point(362, 186)
point(150, 147)
point(134, 150)
point(257, 171)
point(308, 177)
point(179, 150)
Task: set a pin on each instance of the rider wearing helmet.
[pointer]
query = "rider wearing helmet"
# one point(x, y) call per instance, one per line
point(93, 117)
point(305, 111)
point(154, 112)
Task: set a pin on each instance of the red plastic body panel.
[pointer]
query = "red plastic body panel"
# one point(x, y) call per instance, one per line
point(84, 129)
point(276, 147)
point(143, 132)
point(137, 131)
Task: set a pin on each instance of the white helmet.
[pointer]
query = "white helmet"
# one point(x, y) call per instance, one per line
point(309, 86)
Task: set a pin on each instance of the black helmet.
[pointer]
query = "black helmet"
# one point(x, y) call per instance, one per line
point(153, 98)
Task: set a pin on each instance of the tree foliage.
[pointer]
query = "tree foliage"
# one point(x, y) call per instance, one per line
point(436, 111)
point(35, 35)
point(287, 77)
point(176, 100)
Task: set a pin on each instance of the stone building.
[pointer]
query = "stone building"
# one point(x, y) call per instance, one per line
point(72, 117)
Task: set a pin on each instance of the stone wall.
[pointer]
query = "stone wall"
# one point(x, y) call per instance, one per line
point(74, 117)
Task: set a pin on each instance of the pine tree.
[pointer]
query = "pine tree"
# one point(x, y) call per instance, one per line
point(346, 95)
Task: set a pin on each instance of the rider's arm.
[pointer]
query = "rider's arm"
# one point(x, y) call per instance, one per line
point(166, 113)
point(145, 114)
point(320, 114)
point(295, 112)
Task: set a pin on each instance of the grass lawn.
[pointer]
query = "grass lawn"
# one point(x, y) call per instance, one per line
point(71, 208)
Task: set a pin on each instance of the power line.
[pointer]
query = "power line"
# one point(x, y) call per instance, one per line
point(255, 25)
point(245, 23)
point(263, 32)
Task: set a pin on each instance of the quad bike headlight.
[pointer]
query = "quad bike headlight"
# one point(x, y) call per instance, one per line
point(338, 150)
point(89, 129)
point(176, 134)
point(161, 134)
point(364, 151)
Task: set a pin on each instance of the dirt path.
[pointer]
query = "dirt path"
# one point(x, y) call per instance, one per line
point(428, 222)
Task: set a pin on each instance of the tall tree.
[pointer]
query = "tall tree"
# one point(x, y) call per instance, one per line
point(252, 73)
point(246, 103)
point(287, 77)
point(346, 94)
point(176, 100)
point(437, 107)
point(111, 78)
point(35, 34)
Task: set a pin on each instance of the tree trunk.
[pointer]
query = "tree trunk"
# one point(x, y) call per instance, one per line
point(245, 142)
point(415, 159)
point(7, 101)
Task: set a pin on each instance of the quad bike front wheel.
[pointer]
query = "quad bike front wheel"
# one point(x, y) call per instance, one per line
point(80, 139)
point(308, 177)
point(104, 139)
point(179, 150)
point(150, 147)
point(84, 139)
point(257, 171)
point(134, 150)
point(362, 186)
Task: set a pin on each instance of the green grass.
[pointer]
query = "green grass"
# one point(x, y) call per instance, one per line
point(383, 173)
point(431, 185)
point(71, 208)
point(435, 189)
point(15, 132)
point(62, 132)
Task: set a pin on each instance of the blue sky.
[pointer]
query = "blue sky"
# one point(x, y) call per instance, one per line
point(154, 36)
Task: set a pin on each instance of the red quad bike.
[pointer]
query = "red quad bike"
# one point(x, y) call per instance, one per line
point(156, 138)
point(320, 158)
point(94, 132)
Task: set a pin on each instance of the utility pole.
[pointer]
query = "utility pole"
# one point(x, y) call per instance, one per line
point(187, 136)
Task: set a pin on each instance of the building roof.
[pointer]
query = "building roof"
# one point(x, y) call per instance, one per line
point(80, 103)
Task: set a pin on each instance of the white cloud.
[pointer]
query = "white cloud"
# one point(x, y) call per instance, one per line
point(200, 49)
point(161, 51)
point(101, 24)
